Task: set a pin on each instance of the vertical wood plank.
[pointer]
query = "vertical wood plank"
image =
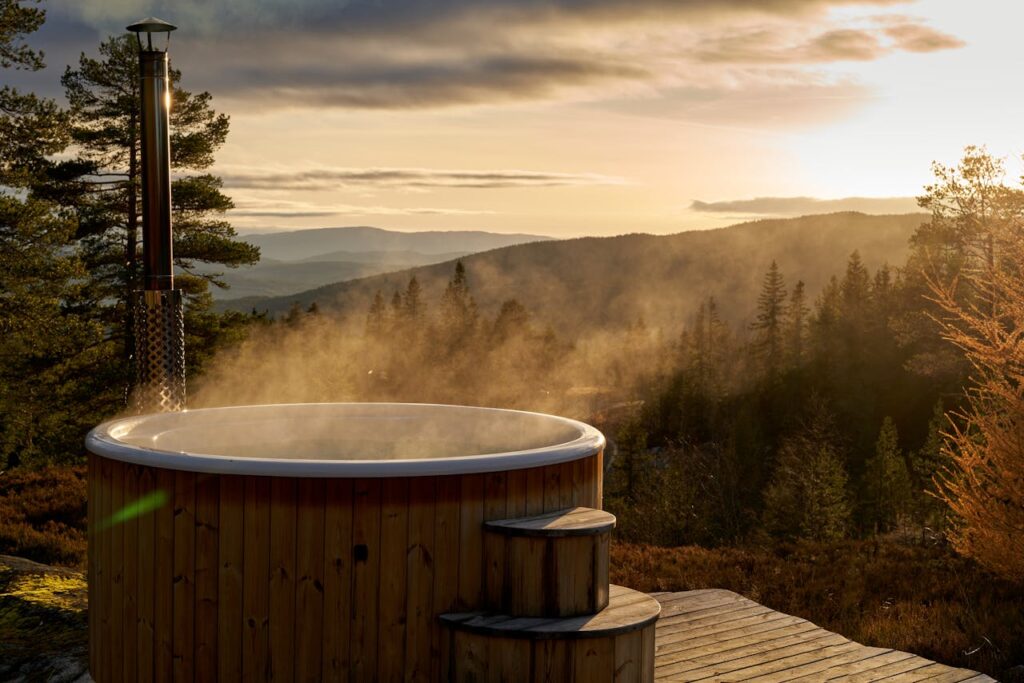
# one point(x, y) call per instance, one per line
point(366, 577)
point(628, 657)
point(115, 634)
point(471, 541)
point(131, 575)
point(337, 579)
point(565, 474)
point(594, 660)
point(394, 544)
point(552, 488)
point(495, 507)
point(647, 666)
point(256, 568)
point(534, 491)
point(282, 579)
point(229, 579)
point(146, 579)
point(470, 657)
point(207, 550)
point(552, 662)
point(601, 570)
point(508, 660)
point(103, 570)
point(163, 583)
point(309, 587)
point(516, 501)
point(599, 467)
point(92, 477)
point(447, 512)
point(184, 576)
point(420, 579)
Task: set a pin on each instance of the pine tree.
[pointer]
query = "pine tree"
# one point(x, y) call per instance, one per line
point(769, 322)
point(886, 481)
point(926, 464)
point(102, 184)
point(376, 320)
point(458, 310)
point(796, 325)
point(806, 497)
point(413, 308)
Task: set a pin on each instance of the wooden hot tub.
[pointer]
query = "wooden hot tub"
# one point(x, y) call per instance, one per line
point(309, 542)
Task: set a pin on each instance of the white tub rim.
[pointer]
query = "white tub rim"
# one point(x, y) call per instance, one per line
point(103, 441)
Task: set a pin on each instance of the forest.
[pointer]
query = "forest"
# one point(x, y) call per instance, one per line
point(873, 424)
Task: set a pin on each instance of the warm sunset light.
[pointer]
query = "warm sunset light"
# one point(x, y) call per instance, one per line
point(518, 341)
point(600, 117)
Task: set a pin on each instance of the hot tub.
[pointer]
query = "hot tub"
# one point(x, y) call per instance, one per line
point(311, 541)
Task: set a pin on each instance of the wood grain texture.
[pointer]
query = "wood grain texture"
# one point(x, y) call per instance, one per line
point(227, 566)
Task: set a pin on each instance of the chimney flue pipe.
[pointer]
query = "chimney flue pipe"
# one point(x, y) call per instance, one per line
point(158, 313)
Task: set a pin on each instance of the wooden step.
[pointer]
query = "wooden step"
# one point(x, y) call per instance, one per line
point(617, 644)
point(550, 565)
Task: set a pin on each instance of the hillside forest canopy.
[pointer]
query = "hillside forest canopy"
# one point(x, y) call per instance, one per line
point(886, 402)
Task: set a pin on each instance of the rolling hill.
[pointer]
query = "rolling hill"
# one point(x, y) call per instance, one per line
point(585, 284)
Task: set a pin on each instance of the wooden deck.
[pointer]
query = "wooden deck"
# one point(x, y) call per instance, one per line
point(717, 635)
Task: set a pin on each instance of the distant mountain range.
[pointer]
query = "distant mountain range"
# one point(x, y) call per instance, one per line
point(586, 284)
point(299, 260)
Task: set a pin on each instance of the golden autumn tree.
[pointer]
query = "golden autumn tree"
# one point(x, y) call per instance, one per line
point(981, 303)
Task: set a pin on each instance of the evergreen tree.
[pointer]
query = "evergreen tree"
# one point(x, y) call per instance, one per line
point(376, 319)
point(513, 320)
point(458, 310)
point(806, 497)
point(926, 464)
point(796, 325)
point(887, 483)
point(769, 323)
point(413, 308)
point(102, 183)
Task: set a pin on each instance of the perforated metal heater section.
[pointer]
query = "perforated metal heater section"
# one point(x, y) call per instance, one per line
point(159, 351)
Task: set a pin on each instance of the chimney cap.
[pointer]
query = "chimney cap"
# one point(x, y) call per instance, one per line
point(152, 25)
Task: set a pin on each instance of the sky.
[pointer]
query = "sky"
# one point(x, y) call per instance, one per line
point(578, 117)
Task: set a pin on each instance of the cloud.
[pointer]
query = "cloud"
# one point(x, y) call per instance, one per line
point(918, 38)
point(280, 208)
point(410, 54)
point(407, 178)
point(798, 206)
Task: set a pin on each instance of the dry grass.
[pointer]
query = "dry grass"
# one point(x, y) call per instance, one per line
point(885, 593)
point(42, 515)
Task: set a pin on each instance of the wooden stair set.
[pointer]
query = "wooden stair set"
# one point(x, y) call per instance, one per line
point(550, 615)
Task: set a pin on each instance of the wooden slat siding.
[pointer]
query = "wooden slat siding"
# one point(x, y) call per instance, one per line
point(470, 655)
point(230, 585)
point(471, 541)
point(131, 577)
point(649, 635)
point(579, 497)
point(628, 657)
point(420, 579)
point(535, 490)
point(184, 576)
point(515, 502)
point(256, 567)
point(146, 562)
point(599, 481)
point(594, 660)
point(337, 580)
point(553, 488)
point(552, 662)
point(163, 580)
point(282, 578)
point(91, 483)
point(309, 588)
point(366, 578)
point(207, 543)
point(511, 658)
point(495, 507)
point(100, 537)
point(116, 630)
point(567, 474)
point(394, 545)
point(446, 572)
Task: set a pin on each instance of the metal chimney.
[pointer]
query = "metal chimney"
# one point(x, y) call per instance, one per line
point(158, 308)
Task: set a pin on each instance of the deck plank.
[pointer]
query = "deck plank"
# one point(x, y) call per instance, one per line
point(717, 635)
